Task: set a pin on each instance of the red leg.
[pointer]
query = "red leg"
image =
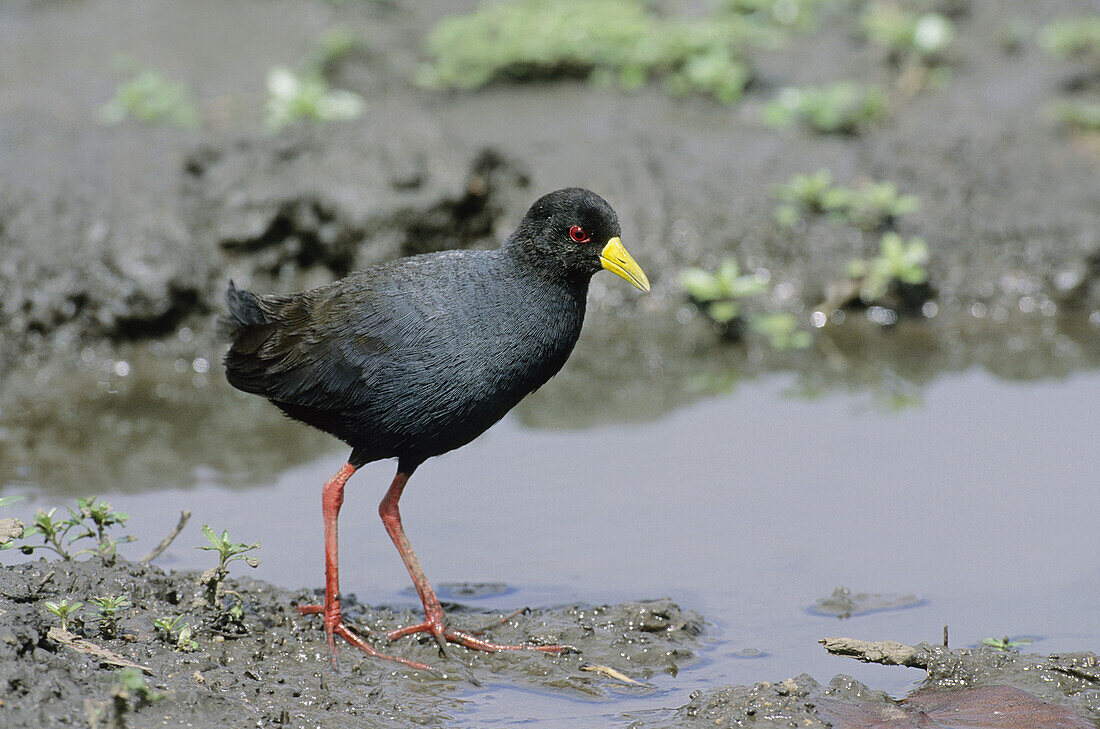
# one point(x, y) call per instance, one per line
point(332, 498)
point(433, 611)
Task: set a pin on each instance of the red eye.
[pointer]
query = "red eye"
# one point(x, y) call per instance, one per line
point(577, 233)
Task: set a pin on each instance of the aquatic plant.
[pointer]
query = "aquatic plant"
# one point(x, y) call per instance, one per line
point(306, 97)
point(898, 261)
point(609, 41)
point(1072, 37)
point(109, 608)
point(151, 97)
point(843, 108)
point(64, 610)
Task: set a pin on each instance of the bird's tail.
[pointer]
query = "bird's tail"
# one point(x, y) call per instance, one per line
point(243, 311)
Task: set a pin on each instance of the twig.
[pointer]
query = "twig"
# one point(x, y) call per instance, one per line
point(184, 516)
point(81, 645)
point(886, 652)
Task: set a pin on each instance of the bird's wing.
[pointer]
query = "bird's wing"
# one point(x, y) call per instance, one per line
point(330, 347)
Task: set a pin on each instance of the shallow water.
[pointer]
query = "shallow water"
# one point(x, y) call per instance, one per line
point(980, 498)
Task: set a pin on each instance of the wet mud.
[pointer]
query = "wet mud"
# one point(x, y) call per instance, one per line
point(270, 666)
point(267, 665)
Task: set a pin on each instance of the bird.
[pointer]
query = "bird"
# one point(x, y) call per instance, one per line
point(418, 356)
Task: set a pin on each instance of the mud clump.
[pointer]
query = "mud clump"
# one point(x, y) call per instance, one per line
point(273, 667)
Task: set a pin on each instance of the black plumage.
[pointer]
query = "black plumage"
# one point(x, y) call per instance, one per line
point(416, 357)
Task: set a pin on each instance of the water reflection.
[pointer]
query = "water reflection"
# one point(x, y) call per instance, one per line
point(136, 420)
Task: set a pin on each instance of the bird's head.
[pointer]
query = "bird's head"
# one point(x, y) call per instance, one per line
point(576, 230)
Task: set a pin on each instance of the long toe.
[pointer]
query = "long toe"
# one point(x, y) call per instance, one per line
point(357, 641)
point(446, 635)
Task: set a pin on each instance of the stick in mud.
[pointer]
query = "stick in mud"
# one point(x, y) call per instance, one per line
point(184, 516)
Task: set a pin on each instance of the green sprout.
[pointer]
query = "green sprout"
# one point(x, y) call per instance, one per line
point(151, 98)
point(131, 692)
point(91, 518)
point(1006, 644)
point(898, 261)
point(109, 608)
point(103, 518)
point(334, 45)
point(64, 610)
point(53, 533)
point(1081, 115)
point(174, 630)
point(307, 97)
point(876, 205)
point(718, 294)
point(609, 41)
point(872, 206)
point(1072, 37)
point(841, 108)
point(228, 552)
point(798, 15)
point(905, 34)
point(781, 330)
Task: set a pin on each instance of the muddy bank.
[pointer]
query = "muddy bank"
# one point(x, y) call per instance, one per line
point(268, 666)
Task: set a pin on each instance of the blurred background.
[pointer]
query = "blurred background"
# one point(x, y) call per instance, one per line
point(869, 359)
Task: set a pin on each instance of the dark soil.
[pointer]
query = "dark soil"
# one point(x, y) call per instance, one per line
point(272, 668)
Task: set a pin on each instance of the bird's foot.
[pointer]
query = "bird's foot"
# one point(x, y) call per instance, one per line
point(334, 626)
point(444, 635)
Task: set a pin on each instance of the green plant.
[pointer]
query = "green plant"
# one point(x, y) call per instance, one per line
point(781, 331)
point(176, 631)
point(151, 98)
point(845, 107)
point(55, 532)
point(64, 610)
point(902, 33)
point(1080, 115)
point(871, 206)
point(109, 608)
point(876, 205)
point(228, 552)
point(306, 97)
point(798, 15)
point(131, 692)
point(334, 45)
point(898, 260)
point(102, 518)
point(718, 294)
point(612, 41)
point(1070, 37)
point(1006, 644)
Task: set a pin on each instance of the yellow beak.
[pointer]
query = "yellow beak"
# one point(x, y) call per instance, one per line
point(614, 258)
